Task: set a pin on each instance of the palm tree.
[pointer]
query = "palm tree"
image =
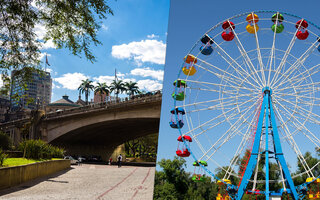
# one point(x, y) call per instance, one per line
point(85, 88)
point(131, 88)
point(117, 86)
point(101, 88)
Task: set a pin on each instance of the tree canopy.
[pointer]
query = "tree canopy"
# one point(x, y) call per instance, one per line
point(172, 182)
point(69, 24)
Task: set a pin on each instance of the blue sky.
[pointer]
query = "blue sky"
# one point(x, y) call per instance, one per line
point(188, 21)
point(134, 42)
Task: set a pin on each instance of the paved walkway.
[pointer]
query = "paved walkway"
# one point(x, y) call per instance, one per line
point(94, 182)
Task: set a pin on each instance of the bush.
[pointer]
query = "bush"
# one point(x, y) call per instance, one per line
point(5, 141)
point(3, 156)
point(38, 149)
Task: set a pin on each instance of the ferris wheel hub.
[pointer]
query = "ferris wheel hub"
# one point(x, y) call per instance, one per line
point(267, 90)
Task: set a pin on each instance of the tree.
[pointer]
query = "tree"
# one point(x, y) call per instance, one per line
point(85, 87)
point(145, 146)
point(69, 24)
point(131, 88)
point(117, 86)
point(174, 175)
point(101, 89)
point(174, 183)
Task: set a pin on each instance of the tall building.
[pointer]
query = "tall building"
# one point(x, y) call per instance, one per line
point(36, 94)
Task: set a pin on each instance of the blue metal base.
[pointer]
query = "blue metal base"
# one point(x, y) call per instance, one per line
point(266, 118)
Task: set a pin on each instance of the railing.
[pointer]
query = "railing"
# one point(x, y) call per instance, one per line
point(120, 102)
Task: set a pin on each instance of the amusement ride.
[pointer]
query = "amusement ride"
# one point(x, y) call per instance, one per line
point(247, 104)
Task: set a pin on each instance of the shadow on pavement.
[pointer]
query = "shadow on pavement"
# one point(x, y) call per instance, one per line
point(34, 182)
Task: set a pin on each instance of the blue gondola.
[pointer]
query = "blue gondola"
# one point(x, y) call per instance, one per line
point(173, 123)
point(206, 48)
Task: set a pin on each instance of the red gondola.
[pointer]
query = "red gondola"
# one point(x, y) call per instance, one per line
point(183, 152)
point(302, 23)
point(228, 27)
point(227, 36)
point(302, 34)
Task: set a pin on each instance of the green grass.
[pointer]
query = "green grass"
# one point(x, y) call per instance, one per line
point(10, 162)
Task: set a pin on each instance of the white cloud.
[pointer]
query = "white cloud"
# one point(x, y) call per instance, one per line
point(104, 79)
point(71, 81)
point(40, 31)
point(109, 79)
point(149, 85)
point(104, 27)
point(55, 86)
point(152, 36)
point(48, 44)
point(145, 72)
point(144, 51)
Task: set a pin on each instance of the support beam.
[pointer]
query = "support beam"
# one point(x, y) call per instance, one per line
point(267, 120)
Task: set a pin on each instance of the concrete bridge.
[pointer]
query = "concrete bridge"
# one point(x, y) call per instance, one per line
point(95, 129)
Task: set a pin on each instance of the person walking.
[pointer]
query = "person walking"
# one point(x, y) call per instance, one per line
point(110, 161)
point(79, 161)
point(119, 160)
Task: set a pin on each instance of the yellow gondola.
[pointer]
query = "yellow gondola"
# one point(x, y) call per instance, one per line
point(252, 28)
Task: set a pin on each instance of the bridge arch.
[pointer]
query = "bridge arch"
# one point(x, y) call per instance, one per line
point(104, 127)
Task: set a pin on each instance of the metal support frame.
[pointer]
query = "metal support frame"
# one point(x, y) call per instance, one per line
point(266, 118)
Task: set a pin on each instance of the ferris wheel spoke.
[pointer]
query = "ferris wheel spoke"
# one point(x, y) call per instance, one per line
point(302, 87)
point(223, 115)
point(245, 56)
point(284, 58)
point(240, 79)
point(225, 105)
point(243, 71)
point(240, 148)
point(272, 56)
point(219, 85)
point(299, 107)
point(298, 62)
point(259, 52)
point(232, 131)
point(301, 97)
point(293, 144)
point(302, 76)
point(217, 100)
point(302, 127)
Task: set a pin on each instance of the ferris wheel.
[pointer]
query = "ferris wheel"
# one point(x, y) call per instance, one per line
point(247, 105)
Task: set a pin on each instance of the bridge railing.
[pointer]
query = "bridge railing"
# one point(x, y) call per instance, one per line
point(119, 102)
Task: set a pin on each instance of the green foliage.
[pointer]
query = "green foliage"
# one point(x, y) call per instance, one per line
point(85, 87)
point(131, 88)
point(174, 175)
point(101, 89)
point(3, 156)
point(69, 24)
point(5, 141)
point(165, 191)
point(174, 183)
point(117, 86)
point(143, 147)
point(38, 149)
